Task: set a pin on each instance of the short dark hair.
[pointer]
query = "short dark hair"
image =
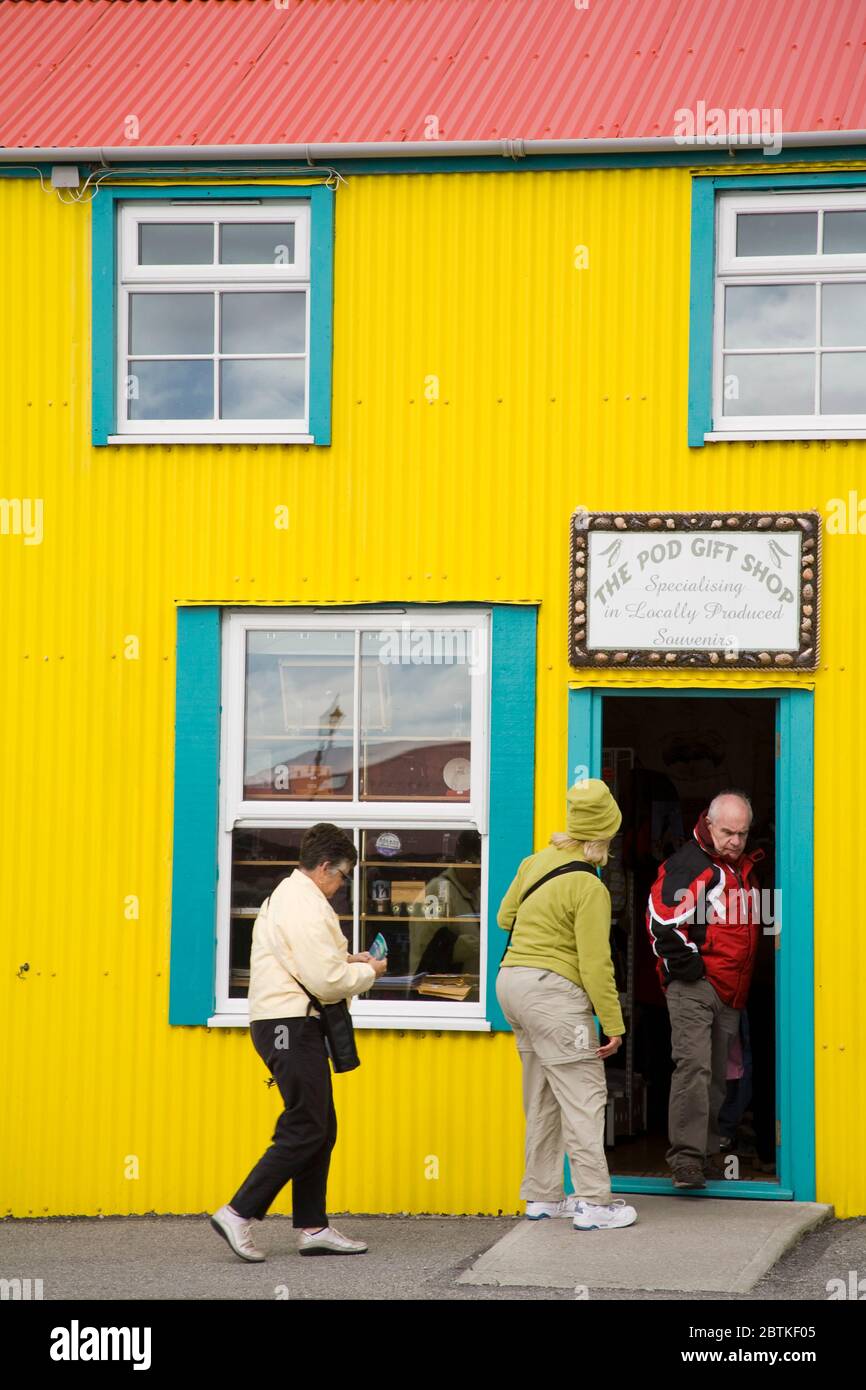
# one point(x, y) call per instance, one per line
point(324, 842)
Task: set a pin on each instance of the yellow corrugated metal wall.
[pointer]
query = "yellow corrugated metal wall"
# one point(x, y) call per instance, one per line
point(558, 387)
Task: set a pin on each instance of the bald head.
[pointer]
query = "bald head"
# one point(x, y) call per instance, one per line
point(729, 817)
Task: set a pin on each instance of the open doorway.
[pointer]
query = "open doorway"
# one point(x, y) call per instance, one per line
point(664, 758)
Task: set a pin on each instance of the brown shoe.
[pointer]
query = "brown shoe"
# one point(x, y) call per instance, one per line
point(689, 1176)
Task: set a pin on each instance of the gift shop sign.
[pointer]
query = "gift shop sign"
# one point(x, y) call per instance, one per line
point(708, 589)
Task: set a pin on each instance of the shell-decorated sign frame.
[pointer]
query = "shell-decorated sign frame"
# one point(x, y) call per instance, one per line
point(712, 590)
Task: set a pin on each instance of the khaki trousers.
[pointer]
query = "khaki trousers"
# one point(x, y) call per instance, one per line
point(564, 1085)
point(701, 1031)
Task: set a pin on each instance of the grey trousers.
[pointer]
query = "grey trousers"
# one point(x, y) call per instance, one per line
point(701, 1031)
point(564, 1084)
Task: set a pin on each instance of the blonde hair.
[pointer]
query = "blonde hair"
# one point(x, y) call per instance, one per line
point(594, 851)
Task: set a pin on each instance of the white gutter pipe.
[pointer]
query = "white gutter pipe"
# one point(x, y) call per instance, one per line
point(413, 149)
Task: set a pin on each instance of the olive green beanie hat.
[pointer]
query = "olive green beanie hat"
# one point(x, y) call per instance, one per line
point(592, 812)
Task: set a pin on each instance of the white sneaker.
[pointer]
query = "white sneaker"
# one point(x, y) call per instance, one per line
point(535, 1211)
point(329, 1242)
point(237, 1231)
point(589, 1217)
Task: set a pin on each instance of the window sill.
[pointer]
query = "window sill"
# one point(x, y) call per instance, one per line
point(423, 1025)
point(746, 436)
point(210, 439)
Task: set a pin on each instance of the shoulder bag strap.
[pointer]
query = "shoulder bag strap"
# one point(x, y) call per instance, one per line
point(576, 866)
point(311, 997)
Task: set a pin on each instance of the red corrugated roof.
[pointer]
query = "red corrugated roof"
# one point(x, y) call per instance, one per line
point(212, 72)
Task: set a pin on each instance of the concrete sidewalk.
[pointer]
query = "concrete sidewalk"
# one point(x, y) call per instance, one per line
point(706, 1245)
point(425, 1258)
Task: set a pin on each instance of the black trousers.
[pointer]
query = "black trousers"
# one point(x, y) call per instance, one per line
point(293, 1049)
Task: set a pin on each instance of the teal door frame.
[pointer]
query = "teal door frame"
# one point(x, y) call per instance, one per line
point(795, 996)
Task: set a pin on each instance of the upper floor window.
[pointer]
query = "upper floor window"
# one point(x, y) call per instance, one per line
point(212, 314)
point(790, 314)
point(214, 319)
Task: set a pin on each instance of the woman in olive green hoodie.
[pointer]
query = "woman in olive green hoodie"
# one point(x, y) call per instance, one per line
point(556, 973)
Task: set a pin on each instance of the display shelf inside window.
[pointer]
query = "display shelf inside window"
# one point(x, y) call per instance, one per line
point(421, 889)
point(260, 860)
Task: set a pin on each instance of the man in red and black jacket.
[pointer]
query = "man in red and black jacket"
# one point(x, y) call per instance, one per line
point(703, 918)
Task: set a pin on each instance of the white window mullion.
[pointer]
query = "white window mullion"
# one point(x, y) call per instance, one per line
point(819, 339)
point(234, 721)
point(123, 355)
point(217, 348)
point(356, 723)
point(356, 895)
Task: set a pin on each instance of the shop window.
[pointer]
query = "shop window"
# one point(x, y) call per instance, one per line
point(421, 889)
point(789, 316)
point(379, 724)
point(216, 322)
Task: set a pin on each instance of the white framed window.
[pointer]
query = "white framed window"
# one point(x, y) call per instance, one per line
point(213, 320)
point(789, 350)
point(378, 722)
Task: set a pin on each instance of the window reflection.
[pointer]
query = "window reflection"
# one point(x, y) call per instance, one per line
point(169, 390)
point(843, 383)
point(843, 314)
point(266, 390)
point(299, 715)
point(758, 316)
point(844, 233)
point(171, 323)
point(257, 243)
point(269, 321)
point(777, 233)
point(769, 384)
point(175, 243)
point(416, 714)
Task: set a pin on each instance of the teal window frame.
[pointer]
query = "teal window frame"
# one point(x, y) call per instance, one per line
point(104, 221)
point(795, 960)
point(192, 980)
point(705, 190)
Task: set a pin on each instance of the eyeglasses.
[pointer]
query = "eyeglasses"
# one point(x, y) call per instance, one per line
point(344, 876)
